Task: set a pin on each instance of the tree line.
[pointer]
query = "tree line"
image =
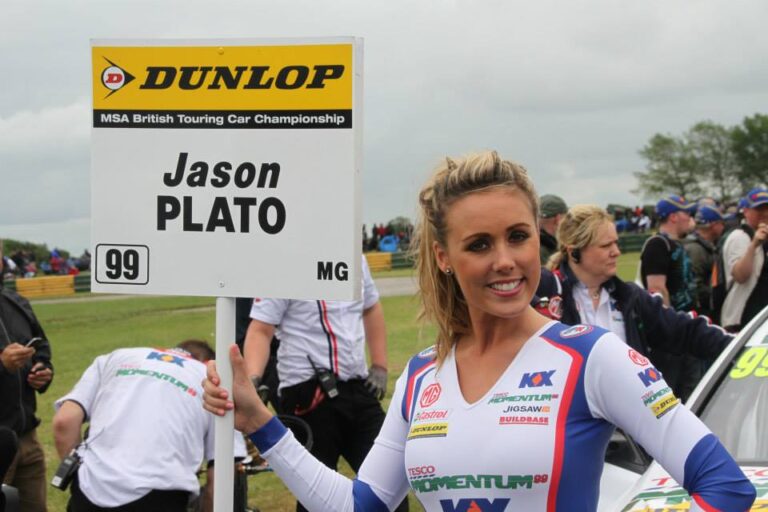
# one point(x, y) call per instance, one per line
point(707, 160)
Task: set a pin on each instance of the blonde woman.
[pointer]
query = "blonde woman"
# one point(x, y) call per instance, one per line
point(584, 280)
point(510, 410)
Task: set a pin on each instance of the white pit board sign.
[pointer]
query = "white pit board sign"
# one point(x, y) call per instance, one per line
point(227, 168)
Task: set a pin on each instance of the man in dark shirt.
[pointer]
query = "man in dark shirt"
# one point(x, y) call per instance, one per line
point(664, 264)
point(25, 369)
point(552, 208)
point(666, 270)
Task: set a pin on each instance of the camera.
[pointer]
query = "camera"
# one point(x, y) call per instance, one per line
point(66, 471)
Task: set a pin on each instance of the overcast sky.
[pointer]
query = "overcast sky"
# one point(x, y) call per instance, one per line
point(571, 89)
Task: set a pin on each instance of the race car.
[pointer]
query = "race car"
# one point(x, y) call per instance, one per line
point(732, 400)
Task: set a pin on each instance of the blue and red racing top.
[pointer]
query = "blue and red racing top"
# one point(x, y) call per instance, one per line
point(535, 442)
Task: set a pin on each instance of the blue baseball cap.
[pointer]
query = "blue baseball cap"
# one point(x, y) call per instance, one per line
point(707, 214)
point(672, 204)
point(757, 197)
point(742, 203)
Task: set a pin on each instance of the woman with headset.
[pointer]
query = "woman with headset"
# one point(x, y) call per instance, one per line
point(583, 288)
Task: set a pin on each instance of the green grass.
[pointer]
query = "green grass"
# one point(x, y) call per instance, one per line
point(627, 267)
point(81, 330)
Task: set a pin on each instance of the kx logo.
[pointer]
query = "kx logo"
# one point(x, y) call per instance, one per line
point(166, 358)
point(536, 380)
point(649, 376)
point(475, 505)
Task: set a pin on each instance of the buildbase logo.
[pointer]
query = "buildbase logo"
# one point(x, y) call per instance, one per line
point(115, 78)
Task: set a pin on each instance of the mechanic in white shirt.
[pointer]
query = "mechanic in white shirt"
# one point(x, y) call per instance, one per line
point(148, 433)
point(322, 369)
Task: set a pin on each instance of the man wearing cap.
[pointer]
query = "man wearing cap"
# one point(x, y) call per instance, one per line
point(744, 257)
point(664, 264)
point(551, 211)
point(701, 246)
point(665, 269)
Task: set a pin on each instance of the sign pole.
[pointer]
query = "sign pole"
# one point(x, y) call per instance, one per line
point(223, 470)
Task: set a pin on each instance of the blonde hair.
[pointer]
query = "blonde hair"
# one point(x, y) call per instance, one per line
point(578, 230)
point(442, 300)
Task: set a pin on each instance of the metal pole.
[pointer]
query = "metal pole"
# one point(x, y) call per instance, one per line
point(224, 452)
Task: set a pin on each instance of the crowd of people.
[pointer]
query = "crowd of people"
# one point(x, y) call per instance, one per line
point(525, 296)
point(387, 238)
point(24, 264)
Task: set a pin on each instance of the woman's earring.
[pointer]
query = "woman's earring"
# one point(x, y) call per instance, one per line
point(448, 271)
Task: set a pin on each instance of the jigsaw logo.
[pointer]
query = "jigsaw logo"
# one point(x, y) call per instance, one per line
point(537, 379)
point(115, 78)
point(166, 358)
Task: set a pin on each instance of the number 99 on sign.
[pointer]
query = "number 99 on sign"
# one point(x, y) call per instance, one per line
point(122, 264)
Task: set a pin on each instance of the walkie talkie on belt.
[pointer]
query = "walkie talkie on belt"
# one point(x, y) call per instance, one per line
point(327, 380)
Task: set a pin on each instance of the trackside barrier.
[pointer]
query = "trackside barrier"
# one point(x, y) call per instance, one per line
point(633, 243)
point(401, 260)
point(82, 283)
point(47, 286)
point(379, 260)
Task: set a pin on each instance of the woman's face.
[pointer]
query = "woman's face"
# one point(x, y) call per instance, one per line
point(599, 259)
point(492, 247)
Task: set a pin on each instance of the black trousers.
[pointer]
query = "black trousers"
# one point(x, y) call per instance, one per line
point(155, 501)
point(345, 426)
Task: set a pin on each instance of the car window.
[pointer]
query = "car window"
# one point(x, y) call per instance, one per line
point(737, 411)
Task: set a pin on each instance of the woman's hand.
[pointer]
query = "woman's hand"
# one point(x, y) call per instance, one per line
point(250, 412)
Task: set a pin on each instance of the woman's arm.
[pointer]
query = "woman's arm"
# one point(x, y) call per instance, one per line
point(630, 393)
point(381, 483)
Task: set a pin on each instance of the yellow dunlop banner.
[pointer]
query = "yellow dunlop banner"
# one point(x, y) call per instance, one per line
point(298, 86)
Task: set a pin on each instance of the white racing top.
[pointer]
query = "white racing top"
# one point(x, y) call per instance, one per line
point(329, 332)
point(148, 430)
point(535, 442)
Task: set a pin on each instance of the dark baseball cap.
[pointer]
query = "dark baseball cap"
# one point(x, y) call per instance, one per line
point(672, 204)
point(551, 205)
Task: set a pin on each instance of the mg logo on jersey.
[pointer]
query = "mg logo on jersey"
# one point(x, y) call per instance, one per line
point(114, 77)
point(638, 358)
point(474, 505)
point(649, 376)
point(166, 358)
point(430, 395)
point(537, 379)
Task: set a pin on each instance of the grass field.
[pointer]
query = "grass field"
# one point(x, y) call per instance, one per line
point(80, 330)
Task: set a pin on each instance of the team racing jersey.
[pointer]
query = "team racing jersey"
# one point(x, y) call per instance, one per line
point(535, 442)
point(148, 429)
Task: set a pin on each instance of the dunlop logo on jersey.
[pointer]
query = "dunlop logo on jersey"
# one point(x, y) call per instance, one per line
point(298, 86)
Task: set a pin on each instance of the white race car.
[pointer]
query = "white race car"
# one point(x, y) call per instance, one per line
point(732, 400)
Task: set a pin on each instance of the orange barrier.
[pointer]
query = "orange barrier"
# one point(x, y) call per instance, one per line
point(379, 260)
point(47, 286)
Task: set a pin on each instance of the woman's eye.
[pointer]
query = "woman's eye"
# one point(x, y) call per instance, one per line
point(518, 236)
point(478, 245)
